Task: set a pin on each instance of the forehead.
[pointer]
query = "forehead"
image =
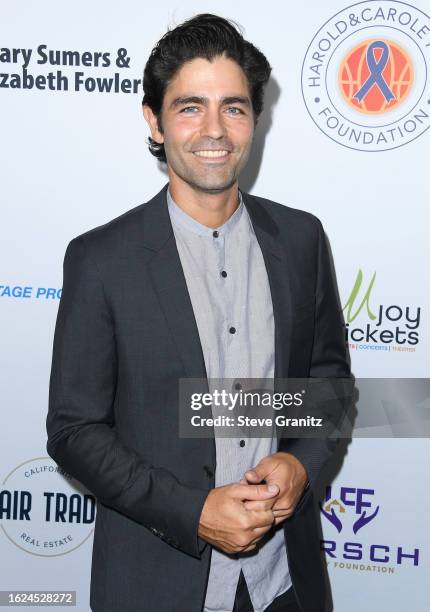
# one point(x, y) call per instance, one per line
point(219, 77)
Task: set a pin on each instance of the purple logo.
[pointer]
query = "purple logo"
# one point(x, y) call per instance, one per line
point(359, 500)
point(352, 509)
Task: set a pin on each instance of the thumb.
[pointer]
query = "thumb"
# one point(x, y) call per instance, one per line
point(255, 475)
point(256, 492)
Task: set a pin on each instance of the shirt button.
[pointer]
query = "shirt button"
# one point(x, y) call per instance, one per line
point(237, 385)
point(242, 443)
point(224, 273)
point(215, 234)
point(232, 330)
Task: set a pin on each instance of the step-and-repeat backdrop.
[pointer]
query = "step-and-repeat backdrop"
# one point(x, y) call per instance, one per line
point(344, 136)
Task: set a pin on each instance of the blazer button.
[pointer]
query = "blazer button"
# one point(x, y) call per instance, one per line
point(154, 531)
point(209, 473)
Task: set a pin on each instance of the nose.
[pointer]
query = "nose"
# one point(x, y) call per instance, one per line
point(213, 125)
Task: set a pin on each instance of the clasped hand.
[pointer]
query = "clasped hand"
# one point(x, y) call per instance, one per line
point(288, 473)
point(236, 516)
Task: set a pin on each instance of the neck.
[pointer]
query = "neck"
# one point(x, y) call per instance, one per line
point(210, 209)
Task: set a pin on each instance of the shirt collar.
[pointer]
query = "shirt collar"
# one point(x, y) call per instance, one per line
point(179, 216)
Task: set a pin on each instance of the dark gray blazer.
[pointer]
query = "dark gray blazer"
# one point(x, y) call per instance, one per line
point(125, 333)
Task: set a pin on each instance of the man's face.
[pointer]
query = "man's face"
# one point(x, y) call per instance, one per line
point(207, 123)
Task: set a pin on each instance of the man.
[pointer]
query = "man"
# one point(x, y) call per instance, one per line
point(203, 281)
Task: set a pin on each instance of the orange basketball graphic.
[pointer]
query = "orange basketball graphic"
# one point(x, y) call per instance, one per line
point(376, 76)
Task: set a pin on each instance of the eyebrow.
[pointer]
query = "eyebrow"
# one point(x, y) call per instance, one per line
point(182, 100)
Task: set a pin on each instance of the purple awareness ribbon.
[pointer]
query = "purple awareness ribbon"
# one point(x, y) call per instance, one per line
point(376, 69)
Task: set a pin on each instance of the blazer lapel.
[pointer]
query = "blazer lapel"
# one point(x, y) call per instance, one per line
point(167, 275)
point(275, 259)
point(169, 282)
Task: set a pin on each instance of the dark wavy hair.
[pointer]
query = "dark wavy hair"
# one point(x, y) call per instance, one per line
point(206, 36)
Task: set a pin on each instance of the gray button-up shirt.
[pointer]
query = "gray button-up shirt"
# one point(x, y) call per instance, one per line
point(230, 294)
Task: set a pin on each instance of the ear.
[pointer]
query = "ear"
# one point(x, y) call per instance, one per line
point(152, 121)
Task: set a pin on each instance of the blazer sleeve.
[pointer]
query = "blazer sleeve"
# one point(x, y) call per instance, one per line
point(329, 360)
point(80, 421)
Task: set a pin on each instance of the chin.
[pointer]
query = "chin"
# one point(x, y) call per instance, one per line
point(208, 185)
point(213, 187)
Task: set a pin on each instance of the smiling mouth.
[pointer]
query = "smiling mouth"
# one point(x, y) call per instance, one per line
point(210, 154)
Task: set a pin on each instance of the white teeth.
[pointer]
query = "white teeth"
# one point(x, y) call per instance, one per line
point(210, 153)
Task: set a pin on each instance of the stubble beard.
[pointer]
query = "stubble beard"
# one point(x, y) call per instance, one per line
point(208, 181)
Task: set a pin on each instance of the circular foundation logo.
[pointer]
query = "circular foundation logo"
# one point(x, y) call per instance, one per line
point(365, 75)
point(376, 76)
point(43, 510)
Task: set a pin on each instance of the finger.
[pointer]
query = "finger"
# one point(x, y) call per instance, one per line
point(261, 519)
point(258, 533)
point(257, 536)
point(255, 475)
point(281, 513)
point(232, 547)
point(252, 545)
point(277, 511)
point(259, 504)
point(281, 519)
point(283, 504)
point(251, 492)
point(249, 548)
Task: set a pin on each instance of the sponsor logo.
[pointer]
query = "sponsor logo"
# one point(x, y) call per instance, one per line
point(43, 510)
point(25, 292)
point(385, 327)
point(347, 516)
point(45, 69)
point(365, 75)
